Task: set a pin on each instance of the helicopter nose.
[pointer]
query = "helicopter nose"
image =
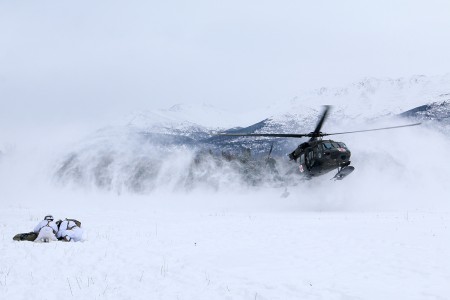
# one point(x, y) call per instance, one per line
point(343, 154)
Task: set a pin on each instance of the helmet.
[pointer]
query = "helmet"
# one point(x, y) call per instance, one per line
point(48, 218)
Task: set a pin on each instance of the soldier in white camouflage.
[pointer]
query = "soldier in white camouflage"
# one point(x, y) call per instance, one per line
point(46, 230)
point(70, 231)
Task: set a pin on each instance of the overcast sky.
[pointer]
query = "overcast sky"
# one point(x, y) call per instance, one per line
point(80, 61)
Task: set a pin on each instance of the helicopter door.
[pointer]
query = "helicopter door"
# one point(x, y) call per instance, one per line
point(318, 150)
point(310, 158)
point(302, 162)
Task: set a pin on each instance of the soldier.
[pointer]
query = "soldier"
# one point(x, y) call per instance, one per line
point(70, 231)
point(46, 230)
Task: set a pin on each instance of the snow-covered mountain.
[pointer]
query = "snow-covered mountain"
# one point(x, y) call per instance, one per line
point(435, 114)
point(373, 97)
point(184, 115)
point(367, 100)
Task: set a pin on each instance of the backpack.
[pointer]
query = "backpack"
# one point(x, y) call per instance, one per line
point(29, 236)
point(78, 223)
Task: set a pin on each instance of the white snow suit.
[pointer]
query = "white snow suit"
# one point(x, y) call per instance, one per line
point(69, 231)
point(46, 230)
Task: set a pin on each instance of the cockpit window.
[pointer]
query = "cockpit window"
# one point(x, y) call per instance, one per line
point(327, 145)
point(331, 145)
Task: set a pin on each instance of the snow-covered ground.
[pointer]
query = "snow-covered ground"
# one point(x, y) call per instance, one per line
point(217, 246)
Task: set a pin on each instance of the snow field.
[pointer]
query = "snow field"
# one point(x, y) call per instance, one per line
point(160, 252)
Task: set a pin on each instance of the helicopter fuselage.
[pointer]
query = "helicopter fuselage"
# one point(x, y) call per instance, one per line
point(318, 157)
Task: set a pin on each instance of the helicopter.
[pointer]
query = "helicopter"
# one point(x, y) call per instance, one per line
point(318, 156)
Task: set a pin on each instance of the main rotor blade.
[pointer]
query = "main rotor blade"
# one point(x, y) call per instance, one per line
point(270, 151)
point(321, 121)
point(266, 134)
point(376, 129)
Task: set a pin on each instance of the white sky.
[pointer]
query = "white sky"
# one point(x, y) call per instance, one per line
point(82, 61)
